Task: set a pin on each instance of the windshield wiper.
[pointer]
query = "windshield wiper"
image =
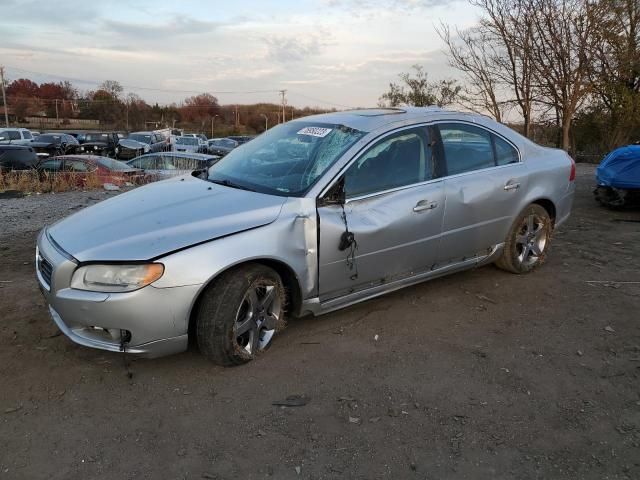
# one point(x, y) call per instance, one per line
point(228, 183)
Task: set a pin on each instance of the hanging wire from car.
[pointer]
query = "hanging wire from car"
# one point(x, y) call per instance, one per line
point(125, 338)
point(348, 241)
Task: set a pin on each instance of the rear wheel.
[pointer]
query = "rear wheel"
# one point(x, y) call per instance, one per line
point(240, 313)
point(528, 240)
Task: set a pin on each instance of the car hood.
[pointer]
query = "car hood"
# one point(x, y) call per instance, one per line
point(162, 217)
point(133, 144)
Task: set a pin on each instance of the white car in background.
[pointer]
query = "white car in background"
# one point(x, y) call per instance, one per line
point(186, 144)
point(16, 136)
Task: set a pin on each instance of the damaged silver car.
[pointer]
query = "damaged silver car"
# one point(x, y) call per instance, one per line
point(312, 216)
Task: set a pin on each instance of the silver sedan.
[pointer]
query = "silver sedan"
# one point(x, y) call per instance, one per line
point(312, 216)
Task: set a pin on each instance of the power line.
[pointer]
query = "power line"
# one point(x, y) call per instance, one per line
point(134, 87)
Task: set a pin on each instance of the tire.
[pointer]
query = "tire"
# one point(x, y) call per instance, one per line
point(527, 243)
point(239, 314)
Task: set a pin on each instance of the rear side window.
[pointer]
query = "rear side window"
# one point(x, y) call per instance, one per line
point(466, 148)
point(27, 134)
point(505, 153)
point(14, 135)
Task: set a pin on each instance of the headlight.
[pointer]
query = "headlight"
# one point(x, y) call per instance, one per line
point(116, 278)
point(82, 149)
point(95, 147)
point(146, 148)
point(117, 149)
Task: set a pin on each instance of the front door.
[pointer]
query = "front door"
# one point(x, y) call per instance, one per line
point(393, 212)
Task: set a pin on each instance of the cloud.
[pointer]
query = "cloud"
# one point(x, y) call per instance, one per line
point(179, 25)
point(287, 49)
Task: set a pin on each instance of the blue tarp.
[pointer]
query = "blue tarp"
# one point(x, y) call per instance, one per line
point(620, 168)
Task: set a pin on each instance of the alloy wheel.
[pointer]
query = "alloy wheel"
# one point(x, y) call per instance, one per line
point(257, 318)
point(532, 239)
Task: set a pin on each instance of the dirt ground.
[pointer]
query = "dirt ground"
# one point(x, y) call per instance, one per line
point(479, 375)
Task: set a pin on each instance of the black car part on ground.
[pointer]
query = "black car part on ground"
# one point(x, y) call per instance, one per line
point(617, 198)
point(17, 157)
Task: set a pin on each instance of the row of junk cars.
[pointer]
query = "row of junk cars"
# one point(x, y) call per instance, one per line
point(113, 157)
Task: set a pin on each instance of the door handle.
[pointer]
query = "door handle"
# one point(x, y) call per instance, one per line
point(424, 205)
point(512, 186)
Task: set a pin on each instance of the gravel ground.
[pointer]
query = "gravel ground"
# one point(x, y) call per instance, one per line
point(478, 375)
point(29, 214)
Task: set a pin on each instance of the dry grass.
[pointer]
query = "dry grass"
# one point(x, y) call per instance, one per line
point(31, 181)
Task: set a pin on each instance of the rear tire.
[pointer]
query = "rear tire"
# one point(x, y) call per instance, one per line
point(239, 314)
point(528, 241)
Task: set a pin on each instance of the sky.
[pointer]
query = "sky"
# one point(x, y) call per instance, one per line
point(325, 53)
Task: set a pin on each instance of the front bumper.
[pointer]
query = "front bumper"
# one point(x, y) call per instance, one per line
point(157, 319)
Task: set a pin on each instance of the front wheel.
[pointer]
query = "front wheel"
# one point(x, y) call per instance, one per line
point(239, 314)
point(528, 240)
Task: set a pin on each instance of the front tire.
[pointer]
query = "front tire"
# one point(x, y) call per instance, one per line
point(528, 241)
point(239, 314)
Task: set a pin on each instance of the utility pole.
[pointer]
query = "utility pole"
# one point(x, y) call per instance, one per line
point(4, 97)
point(266, 121)
point(57, 119)
point(284, 105)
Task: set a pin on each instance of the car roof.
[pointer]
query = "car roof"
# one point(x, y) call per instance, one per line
point(370, 119)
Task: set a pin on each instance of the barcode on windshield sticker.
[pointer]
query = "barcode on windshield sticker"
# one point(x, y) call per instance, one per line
point(315, 131)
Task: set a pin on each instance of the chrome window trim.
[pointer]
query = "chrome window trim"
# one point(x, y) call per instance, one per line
point(391, 190)
point(430, 123)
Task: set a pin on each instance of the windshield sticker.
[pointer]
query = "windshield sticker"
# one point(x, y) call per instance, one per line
point(315, 131)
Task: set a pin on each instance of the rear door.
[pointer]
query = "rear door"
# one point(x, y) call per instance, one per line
point(484, 179)
point(394, 212)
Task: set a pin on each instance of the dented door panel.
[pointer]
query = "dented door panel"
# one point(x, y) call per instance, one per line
point(397, 235)
point(479, 210)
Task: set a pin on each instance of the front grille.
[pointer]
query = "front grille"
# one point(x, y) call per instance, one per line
point(45, 269)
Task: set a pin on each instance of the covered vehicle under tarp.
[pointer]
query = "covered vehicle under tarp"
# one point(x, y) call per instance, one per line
point(618, 177)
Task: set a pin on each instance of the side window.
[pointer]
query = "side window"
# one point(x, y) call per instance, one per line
point(466, 148)
point(136, 163)
point(150, 163)
point(75, 166)
point(403, 158)
point(505, 153)
point(14, 135)
point(51, 165)
point(27, 135)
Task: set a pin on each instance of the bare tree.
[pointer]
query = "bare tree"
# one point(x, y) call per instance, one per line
point(565, 40)
point(474, 55)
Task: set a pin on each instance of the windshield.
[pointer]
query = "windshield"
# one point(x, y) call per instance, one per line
point(187, 141)
point(96, 137)
point(50, 138)
point(140, 138)
point(287, 159)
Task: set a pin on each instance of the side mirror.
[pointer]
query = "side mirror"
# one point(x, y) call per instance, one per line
point(335, 196)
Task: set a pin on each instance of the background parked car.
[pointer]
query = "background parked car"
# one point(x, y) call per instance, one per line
point(52, 144)
point(16, 136)
point(139, 143)
point(170, 164)
point(99, 143)
point(241, 139)
point(77, 168)
point(17, 157)
point(221, 146)
point(186, 144)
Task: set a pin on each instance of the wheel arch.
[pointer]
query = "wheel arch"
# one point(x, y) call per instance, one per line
point(548, 205)
point(289, 279)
